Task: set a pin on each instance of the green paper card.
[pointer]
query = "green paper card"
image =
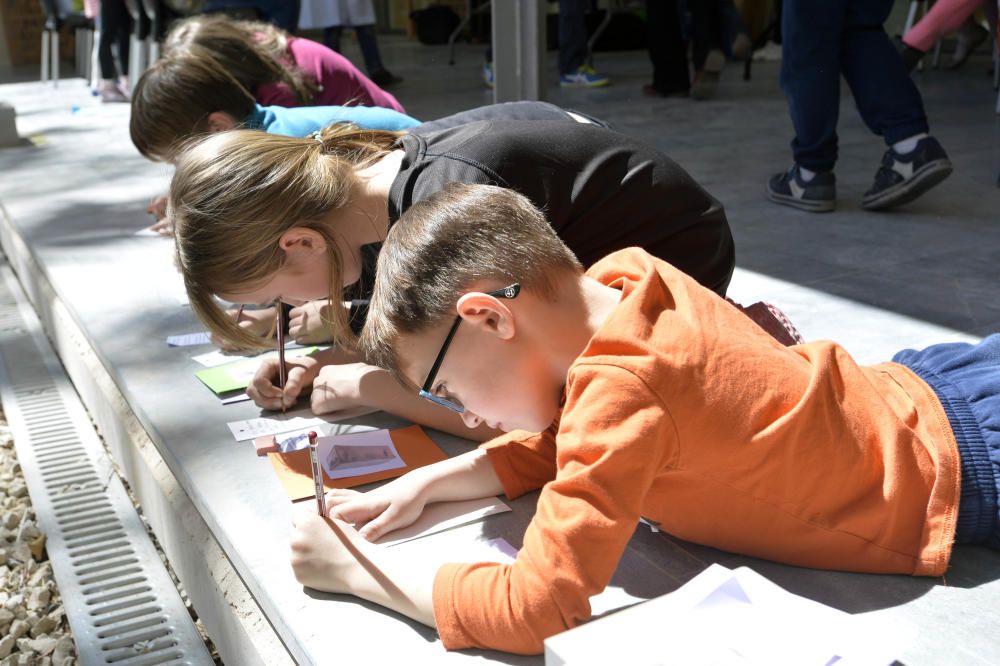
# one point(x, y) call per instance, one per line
point(236, 376)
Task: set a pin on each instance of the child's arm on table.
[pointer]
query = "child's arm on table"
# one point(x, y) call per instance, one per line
point(400, 502)
point(331, 555)
point(338, 380)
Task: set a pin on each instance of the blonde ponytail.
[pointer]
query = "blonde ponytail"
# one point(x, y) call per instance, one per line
point(234, 194)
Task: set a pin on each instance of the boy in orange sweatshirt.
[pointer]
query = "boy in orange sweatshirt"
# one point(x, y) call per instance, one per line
point(630, 391)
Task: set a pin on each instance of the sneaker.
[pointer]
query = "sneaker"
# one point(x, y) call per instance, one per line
point(706, 81)
point(583, 77)
point(819, 195)
point(383, 78)
point(902, 178)
point(970, 36)
point(111, 93)
point(742, 46)
point(488, 74)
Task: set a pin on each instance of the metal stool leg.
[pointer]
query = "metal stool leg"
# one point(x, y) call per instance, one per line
point(45, 56)
point(55, 59)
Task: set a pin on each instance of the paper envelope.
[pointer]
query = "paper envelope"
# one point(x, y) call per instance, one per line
point(295, 471)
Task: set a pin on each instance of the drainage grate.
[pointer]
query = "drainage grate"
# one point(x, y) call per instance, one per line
point(121, 602)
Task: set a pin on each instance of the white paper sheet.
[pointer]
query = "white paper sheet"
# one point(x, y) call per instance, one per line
point(189, 339)
point(216, 357)
point(726, 617)
point(251, 428)
point(442, 516)
point(355, 454)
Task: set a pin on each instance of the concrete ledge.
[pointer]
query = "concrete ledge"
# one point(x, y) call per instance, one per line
point(232, 618)
point(8, 126)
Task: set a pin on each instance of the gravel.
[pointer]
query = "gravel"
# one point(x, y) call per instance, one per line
point(33, 626)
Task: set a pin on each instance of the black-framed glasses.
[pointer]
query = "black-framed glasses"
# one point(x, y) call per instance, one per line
point(425, 391)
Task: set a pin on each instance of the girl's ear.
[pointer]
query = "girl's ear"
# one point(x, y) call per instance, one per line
point(220, 121)
point(488, 313)
point(298, 239)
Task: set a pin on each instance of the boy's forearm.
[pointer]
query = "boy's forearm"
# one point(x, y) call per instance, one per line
point(468, 476)
point(400, 585)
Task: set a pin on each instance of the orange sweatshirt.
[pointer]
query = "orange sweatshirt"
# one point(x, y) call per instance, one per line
point(683, 411)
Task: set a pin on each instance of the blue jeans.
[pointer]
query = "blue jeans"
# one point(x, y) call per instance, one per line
point(822, 39)
point(366, 42)
point(966, 379)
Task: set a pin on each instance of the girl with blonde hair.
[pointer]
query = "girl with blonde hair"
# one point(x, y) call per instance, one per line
point(261, 219)
point(277, 68)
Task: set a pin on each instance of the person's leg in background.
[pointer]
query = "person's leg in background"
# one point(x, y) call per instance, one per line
point(943, 16)
point(373, 60)
point(332, 35)
point(891, 107)
point(667, 50)
point(811, 33)
point(574, 72)
point(115, 22)
point(707, 55)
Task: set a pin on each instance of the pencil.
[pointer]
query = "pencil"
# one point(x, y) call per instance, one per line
point(281, 353)
point(317, 474)
point(239, 314)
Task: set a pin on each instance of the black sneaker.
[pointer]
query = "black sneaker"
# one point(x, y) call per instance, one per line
point(819, 195)
point(903, 178)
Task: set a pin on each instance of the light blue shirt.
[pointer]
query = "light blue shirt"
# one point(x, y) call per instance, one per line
point(302, 121)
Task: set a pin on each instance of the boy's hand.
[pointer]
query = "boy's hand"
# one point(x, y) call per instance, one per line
point(306, 323)
point(380, 511)
point(325, 553)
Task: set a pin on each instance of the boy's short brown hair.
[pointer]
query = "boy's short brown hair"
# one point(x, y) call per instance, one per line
point(460, 236)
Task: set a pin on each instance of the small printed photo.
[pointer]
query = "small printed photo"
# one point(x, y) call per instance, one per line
point(357, 454)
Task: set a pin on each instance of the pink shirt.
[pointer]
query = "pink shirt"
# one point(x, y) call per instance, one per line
point(340, 82)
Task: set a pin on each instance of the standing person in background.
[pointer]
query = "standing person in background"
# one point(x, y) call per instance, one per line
point(945, 16)
point(667, 50)
point(574, 70)
point(115, 28)
point(333, 15)
point(821, 40)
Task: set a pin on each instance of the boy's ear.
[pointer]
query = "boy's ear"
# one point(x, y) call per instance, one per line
point(301, 238)
point(488, 313)
point(220, 121)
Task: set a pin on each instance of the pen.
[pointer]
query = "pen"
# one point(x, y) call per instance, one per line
point(239, 314)
point(317, 474)
point(281, 353)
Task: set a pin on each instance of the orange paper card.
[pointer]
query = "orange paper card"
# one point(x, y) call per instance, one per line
point(295, 473)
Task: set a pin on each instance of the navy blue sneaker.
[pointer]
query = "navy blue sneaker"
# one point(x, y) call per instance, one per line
point(819, 195)
point(903, 178)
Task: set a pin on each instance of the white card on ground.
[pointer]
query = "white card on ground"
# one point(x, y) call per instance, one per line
point(148, 231)
point(442, 516)
point(359, 453)
point(242, 397)
point(251, 428)
point(189, 339)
